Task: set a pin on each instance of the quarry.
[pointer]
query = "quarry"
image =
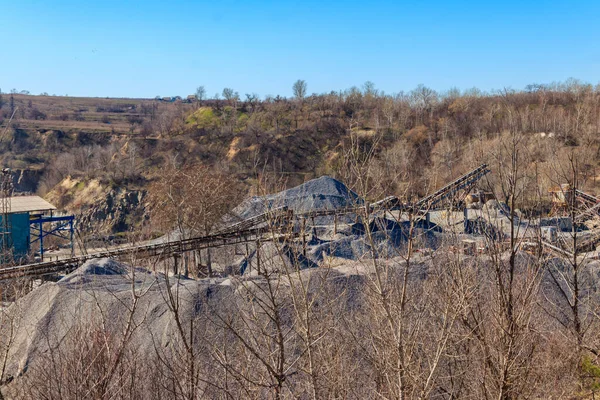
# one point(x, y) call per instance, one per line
point(270, 258)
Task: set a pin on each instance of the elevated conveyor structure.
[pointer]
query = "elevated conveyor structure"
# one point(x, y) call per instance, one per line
point(464, 182)
point(275, 216)
point(556, 250)
point(430, 201)
point(161, 250)
point(587, 197)
point(591, 203)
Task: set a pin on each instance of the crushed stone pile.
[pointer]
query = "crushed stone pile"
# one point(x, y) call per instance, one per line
point(324, 193)
point(45, 316)
point(60, 315)
point(386, 241)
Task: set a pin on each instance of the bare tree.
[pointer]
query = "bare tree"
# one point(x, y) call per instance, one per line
point(572, 298)
point(193, 200)
point(230, 95)
point(299, 88)
point(200, 93)
point(505, 329)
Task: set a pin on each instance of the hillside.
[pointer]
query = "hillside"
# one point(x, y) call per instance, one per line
point(407, 144)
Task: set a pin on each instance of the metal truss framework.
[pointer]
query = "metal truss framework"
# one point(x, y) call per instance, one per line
point(61, 227)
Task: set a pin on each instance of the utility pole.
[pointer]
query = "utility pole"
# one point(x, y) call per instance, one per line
point(6, 189)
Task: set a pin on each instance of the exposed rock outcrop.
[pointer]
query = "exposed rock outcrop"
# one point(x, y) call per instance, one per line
point(99, 207)
point(119, 211)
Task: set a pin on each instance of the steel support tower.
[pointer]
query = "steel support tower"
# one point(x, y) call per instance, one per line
point(6, 191)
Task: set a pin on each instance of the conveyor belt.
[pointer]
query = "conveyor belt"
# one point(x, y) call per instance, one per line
point(587, 197)
point(593, 204)
point(140, 252)
point(461, 183)
point(557, 250)
point(587, 214)
point(277, 215)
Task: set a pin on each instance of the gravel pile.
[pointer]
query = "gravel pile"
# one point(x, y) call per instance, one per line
point(57, 314)
point(112, 270)
point(324, 193)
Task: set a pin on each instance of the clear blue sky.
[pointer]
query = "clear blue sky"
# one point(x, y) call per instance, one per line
point(125, 48)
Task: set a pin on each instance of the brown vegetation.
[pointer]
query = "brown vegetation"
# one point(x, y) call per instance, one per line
point(502, 324)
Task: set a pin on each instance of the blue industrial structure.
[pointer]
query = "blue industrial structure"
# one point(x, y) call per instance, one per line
point(29, 225)
point(61, 227)
point(18, 239)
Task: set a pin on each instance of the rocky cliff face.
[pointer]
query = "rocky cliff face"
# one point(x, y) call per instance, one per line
point(99, 208)
point(119, 211)
point(27, 180)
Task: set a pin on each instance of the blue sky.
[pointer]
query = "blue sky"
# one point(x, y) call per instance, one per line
point(147, 48)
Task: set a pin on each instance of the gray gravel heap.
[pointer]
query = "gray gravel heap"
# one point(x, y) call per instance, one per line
point(324, 193)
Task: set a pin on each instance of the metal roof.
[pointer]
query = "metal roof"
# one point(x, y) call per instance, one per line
point(23, 204)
